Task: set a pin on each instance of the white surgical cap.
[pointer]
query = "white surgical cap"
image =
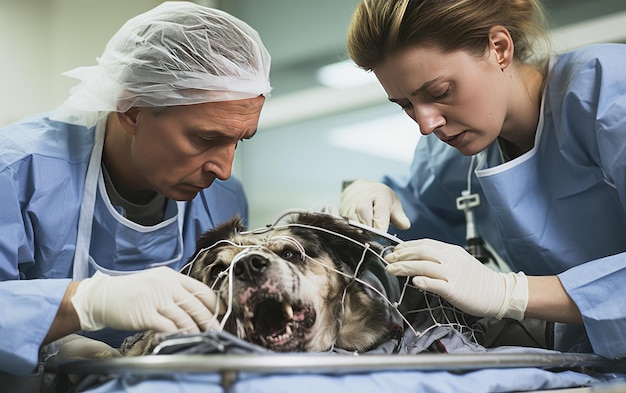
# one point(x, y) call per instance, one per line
point(178, 53)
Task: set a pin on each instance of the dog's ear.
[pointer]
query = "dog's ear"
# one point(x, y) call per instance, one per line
point(223, 231)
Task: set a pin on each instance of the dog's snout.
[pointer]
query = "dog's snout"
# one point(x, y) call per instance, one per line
point(250, 266)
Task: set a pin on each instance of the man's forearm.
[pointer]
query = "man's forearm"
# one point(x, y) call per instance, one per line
point(66, 320)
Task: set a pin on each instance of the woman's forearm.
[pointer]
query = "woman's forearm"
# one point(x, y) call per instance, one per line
point(548, 300)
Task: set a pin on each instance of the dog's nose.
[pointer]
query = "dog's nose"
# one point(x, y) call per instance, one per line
point(250, 266)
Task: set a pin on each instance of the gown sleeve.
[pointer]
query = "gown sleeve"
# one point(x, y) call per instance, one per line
point(28, 306)
point(28, 309)
point(598, 92)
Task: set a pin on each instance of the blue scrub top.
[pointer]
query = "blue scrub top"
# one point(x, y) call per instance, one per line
point(559, 209)
point(43, 165)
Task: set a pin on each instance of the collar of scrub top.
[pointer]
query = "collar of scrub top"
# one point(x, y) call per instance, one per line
point(80, 269)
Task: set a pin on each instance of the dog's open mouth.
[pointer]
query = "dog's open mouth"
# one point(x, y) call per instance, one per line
point(278, 324)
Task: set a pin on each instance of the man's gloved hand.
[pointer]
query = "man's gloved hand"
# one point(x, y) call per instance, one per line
point(452, 273)
point(374, 204)
point(158, 299)
point(74, 346)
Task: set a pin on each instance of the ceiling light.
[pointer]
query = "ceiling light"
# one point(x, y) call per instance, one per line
point(391, 137)
point(344, 75)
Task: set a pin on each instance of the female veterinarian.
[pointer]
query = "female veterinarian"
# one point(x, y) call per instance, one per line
point(542, 144)
point(117, 181)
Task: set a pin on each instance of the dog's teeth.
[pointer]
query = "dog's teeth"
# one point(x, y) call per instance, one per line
point(288, 309)
point(288, 330)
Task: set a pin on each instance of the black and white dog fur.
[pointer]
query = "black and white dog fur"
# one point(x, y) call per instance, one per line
point(292, 288)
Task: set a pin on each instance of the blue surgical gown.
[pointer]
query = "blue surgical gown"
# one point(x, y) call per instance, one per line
point(559, 209)
point(43, 164)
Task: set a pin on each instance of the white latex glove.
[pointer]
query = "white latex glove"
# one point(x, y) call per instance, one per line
point(158, 299)
point(74, 347)
point(452, 273)
point(374, 204)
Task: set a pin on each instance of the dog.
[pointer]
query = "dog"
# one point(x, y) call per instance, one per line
point(304, 286)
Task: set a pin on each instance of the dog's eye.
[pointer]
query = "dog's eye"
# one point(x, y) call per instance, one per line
point(287, 254)
point(214, 273)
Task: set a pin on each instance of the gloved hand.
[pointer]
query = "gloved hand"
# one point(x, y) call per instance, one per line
point(452, 273)
point(158, 299)
point(74, 346)
point(374, 204)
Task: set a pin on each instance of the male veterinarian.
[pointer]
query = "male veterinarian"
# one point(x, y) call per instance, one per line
point(101, 201)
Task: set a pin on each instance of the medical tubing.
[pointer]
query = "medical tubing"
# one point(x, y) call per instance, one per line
point(457, 323)
point(394, 305)
point(470, 228)
point(475, 245)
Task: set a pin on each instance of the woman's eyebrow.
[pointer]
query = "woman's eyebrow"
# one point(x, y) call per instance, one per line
point(425, 86)
point(420, 89)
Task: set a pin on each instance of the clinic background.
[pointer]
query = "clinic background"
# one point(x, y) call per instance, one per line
point(326, 121)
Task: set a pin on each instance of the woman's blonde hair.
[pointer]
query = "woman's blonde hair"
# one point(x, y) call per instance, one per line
point(382, 27)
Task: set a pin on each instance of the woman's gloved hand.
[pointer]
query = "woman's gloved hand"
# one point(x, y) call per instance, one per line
point(452, 273)
point(158, 299)
point(374, 204)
